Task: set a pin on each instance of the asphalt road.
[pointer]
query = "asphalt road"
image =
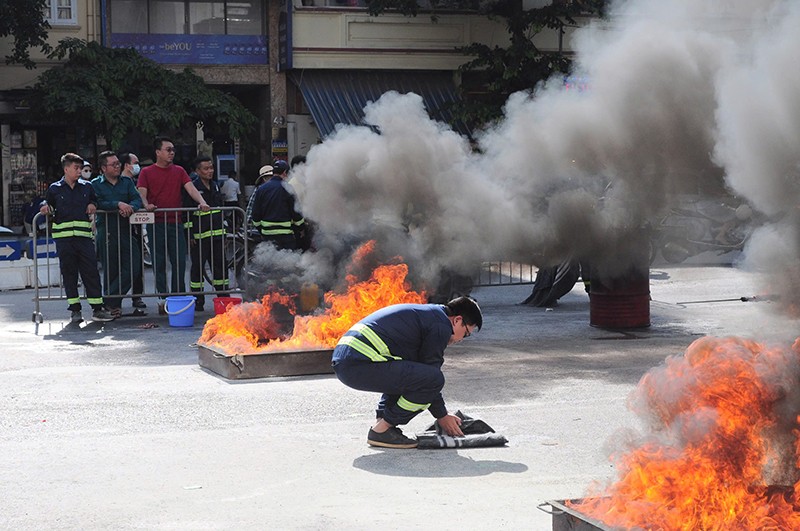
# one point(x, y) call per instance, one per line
point(117, 427)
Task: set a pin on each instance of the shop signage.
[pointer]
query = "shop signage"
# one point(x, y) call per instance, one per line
point(196, 49)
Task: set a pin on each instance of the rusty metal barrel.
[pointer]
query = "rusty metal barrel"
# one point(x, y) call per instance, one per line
point(619, 293)
point(620, 302)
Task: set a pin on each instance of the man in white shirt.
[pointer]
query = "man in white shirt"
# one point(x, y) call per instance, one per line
point(232, 191)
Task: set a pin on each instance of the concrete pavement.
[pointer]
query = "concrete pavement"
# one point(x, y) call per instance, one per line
point(116, 426)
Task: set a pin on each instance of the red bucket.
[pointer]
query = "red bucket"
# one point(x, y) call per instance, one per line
point(221, 304)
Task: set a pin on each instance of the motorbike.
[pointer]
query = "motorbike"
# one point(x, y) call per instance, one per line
point(238, 255)
point(701, 225)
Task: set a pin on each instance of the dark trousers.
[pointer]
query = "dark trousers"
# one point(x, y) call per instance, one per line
point(138, 280)
point(168, 240)
point(401, 382)
point(76, 256)
point(208, 251)
point(122, 263)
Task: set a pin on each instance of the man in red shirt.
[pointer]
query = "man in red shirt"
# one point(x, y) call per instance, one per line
point(160, 186)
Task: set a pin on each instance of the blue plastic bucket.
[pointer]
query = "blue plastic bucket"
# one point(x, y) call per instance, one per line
point(180, 311)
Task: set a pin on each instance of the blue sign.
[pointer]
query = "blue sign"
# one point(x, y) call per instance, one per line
point(196, 49)
point(10, 250)
point(44, 248)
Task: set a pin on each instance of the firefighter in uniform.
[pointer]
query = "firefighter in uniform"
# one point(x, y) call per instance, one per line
point(206, 233)
point(274, 213)
point(399, 351)
point(72, 201)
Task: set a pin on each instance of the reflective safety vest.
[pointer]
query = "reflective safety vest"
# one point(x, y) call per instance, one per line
point(72, 228)
point(374, 348)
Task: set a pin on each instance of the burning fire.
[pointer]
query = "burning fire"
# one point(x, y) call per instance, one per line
point(724, 451)
point(251, 328)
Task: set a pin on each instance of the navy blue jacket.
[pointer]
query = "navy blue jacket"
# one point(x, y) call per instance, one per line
point(274, 212)
point(414, 332)
point(69, 205)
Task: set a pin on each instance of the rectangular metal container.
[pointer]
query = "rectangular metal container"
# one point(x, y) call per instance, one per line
point(568, 519)
point(262, 365)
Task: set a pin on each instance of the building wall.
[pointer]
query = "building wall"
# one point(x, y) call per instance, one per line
point(348, 38)
point(13, 77)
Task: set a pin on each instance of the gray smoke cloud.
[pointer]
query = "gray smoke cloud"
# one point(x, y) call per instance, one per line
point(682, 96)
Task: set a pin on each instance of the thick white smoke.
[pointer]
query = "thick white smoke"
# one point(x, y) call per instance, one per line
point(683, 96)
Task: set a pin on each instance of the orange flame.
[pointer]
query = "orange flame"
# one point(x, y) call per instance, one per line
point(724, 419)
point(252, 328)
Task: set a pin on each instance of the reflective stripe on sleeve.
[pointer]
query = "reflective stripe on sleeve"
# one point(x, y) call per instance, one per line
point(408, 405)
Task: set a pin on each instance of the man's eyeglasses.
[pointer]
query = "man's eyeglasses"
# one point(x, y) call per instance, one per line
point(466, 329)
point(114, 164)
point(169, 150)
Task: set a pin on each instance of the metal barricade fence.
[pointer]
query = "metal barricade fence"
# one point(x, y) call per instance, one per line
point(127, 248)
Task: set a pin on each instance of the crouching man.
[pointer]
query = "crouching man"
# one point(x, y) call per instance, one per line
point(399, 351)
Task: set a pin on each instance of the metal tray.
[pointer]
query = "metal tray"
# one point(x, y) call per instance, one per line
point(262, 365)
point(568, 519)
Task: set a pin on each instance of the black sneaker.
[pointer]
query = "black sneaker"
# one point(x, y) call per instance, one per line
point(76, 316)
point(138, 303)
point(391, 438)
point(102, 315)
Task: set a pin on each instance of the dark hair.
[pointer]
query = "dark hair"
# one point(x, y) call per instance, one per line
point(125, 158)
point(159, 140)
point(70, 158)
point(200, 160)
point(298, 159)
point(468, 309)
point(104, 156)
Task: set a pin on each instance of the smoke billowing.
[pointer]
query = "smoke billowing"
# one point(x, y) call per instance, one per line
point(683, 97)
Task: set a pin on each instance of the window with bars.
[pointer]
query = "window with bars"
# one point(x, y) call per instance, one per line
point(61, 12)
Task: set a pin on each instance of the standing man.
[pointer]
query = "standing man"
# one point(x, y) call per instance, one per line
point(399, 351)
point(161, 185)
point(131, 169)
point(119, 251)
point(207, 233)
point(72, 202)
point(274, 212)
point(232, 191)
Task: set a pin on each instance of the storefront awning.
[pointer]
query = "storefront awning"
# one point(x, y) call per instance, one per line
point(339, 96)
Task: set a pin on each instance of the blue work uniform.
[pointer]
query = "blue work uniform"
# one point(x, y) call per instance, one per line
point(72, 232)
point(275, 216)
point(398, 351)
point(206, 233)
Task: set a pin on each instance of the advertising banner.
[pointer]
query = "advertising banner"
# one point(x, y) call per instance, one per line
point(196, 49)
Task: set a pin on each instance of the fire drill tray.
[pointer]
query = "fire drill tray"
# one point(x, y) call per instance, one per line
point(262, 365)
point(566, 518)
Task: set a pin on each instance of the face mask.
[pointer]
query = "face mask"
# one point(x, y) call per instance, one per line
point(135, 170)
point(86, 173)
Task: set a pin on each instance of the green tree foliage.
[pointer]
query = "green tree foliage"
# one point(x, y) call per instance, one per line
point(497, 71)
point(25, 21)
point(117, 91)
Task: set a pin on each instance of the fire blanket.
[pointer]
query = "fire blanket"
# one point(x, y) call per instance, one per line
point(476, 434)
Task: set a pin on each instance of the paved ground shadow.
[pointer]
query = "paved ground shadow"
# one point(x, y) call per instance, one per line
point(449, 463)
